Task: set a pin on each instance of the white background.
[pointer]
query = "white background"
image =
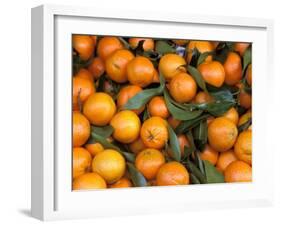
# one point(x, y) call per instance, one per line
point(15, 113)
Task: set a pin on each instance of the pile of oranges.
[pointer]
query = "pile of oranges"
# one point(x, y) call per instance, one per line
point(151, 112)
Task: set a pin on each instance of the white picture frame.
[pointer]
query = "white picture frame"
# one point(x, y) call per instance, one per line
point(52, 197)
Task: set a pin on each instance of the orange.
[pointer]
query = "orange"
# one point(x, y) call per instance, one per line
point(183, 88)
point(149, 161)
point(127, 93)
point(215, 44)
point(116, 65)
point(233, 68)
point(108, 45)
point(99, 108)
point(137, 146)
point(83, 88)
point(96, 67)
point(81, 129)
point(94, 148)
point(110, 164)
point(225, 158)
point(244, 98)
point(84, 45)
point(95, 38)
point(249, 75)
point(183, 141)
point(122, 183)
point(203, 97)
point(209, 154)
point(241, 47)
point(222, 134)
point(243, 146)
point(238, 171)
point(81, 161)
point(156, 78)
point(154, 132)
point(201, 46)
point(180, 42)
point(158, 107)
point(232, 115)
point(171, 64)
point(173, 122)
point(126, 125)
point(89, 181)
point(85, 74)
point(213, 73)
point(244, 118)
point(172, 173)
point(140, 71)
point(148, 43)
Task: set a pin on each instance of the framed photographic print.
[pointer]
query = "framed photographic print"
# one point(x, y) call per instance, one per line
point(134, 113)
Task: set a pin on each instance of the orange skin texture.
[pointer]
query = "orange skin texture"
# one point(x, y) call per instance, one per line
point(116, 65)
point(244, 98)
point(82, 87)
point(156, 78)
point(81, 129)
point(213, 73)
point(110, 164)
point(203, 97)
point(225, 158)
point(147, 45)
point(84, 45)
point(209, 154)
point(183, 141)
point(140, 71)
point(243, 146)
point(158, 107)
point(171, 64)
point(238, 171)
point(81, 161)
point(89, 181)
point(232, 115)
point(222, 134)
point(85, 74)
point(137, 146)
point(126, 126)
point(94, 148)
point(108, 45)
point(149, 161)
point(99, 108)
point(244, 118)
point(249, 75)
point(122, 183)
point(233, 69)
point(173, 122)
point(202, 46)
point(154, 132)
point(96, 67)
point(241, 47)
point(172, 173)
point(127, 93)
point(183, 88)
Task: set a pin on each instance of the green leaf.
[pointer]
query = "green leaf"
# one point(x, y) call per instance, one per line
point(143, 97)
point(136, 176)
point(203, 57)
point(106, 144)
point(194, 170)
point(197, 77)
point(212, 174)
point(199, 162)
point(222, 95)
point(201, 134)
point(194, 179)
point(104, 131)
point(194, 57)
point(219, 108)
point(174, 144)
point(185, 126)
point(162, 47)
point(247, 58)
point(245, 125)
point(179, 113)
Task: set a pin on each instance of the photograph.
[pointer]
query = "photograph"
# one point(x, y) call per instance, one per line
point(160, 112)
